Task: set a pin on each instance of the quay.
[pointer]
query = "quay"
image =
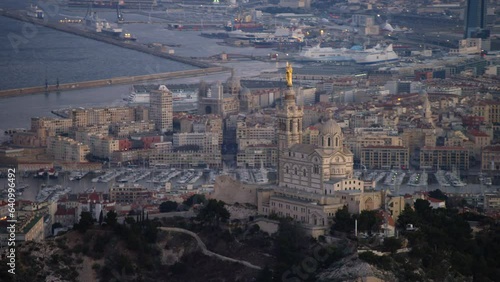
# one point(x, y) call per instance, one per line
point(20, 15)
point(111, 81)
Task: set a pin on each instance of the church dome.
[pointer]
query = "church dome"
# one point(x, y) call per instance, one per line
point(330, 127)
point(245, 91)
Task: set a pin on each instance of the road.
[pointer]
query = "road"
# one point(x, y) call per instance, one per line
point(205, 250)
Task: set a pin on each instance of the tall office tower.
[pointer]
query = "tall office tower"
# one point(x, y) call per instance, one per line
point(161, 110)
point(475, 16)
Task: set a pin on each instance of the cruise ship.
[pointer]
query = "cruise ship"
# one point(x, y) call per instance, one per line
point(375, 55)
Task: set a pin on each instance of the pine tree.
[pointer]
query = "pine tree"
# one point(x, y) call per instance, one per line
point(101, 216)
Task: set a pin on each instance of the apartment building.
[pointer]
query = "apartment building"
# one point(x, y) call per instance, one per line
point(444, 157)
point(161, 109)
point(251, 134)
point(256, 155)
point(125, 129)
point(186, 158)
point(490, 158)
point(480, 140)
point(103, 146)
point(53, 126)
point(359, 140)
point(385, 157)
point(67, 149)
point(206, 141)
point(82, 117)
point(489, 110)
point(128, 193)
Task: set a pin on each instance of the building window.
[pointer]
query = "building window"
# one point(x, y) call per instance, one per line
point(296, 172)
point(329, 142)
point(305, 173)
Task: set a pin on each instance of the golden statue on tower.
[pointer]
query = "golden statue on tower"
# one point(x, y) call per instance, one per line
point(289, 72)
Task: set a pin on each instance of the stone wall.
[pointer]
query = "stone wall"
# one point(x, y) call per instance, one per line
point(232, 191)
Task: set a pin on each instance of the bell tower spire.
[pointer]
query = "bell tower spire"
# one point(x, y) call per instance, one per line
point(289, 117)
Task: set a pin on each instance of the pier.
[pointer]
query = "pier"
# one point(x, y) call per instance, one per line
point(111, 81)
point(20, 15)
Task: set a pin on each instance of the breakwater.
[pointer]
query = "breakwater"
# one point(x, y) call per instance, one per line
point(111, 81)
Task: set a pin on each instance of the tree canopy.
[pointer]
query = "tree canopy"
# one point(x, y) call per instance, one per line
point(111, 218)
point(86, 221)
point(369, 221)
point(214, 212)
point(344, 222)
point(196, 199)
point(444, 244)
point(168, 206)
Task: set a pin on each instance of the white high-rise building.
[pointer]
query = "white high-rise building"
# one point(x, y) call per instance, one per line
point(161, 111)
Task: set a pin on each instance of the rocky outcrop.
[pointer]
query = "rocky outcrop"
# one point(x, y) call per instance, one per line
point(351, 269)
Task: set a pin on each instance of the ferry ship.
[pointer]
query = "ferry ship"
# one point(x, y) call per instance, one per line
point(375, 55)
point(95, 24)
point(324, 54)
point(140, 94)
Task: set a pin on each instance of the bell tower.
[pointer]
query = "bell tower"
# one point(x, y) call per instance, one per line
point(289, 117)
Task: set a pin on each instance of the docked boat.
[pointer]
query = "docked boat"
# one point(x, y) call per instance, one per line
point(127, 36)
point(95, 24)
point(282, 34)
point(77, 175)
point(244, 26)
point(375, 55)
point(110, 30)
point(140, 94)
point(35, 12)
point(324, 54)
point(52, 173)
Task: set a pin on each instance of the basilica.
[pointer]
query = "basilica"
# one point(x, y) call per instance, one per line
point(315, 179)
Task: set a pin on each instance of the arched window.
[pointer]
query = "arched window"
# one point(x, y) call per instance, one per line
point(296, 173)
point(291, 125)
point(305, 172)
point(329, 142)
point(286, 169)
point(336, 141)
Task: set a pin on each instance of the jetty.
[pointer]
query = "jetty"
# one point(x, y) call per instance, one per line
point(111, 81)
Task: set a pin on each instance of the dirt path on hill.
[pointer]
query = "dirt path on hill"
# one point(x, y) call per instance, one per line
point(204, 247)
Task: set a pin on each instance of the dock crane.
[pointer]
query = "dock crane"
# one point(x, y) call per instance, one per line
point(119, 14)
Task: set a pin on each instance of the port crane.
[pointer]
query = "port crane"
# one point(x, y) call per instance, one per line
point(119, 14)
